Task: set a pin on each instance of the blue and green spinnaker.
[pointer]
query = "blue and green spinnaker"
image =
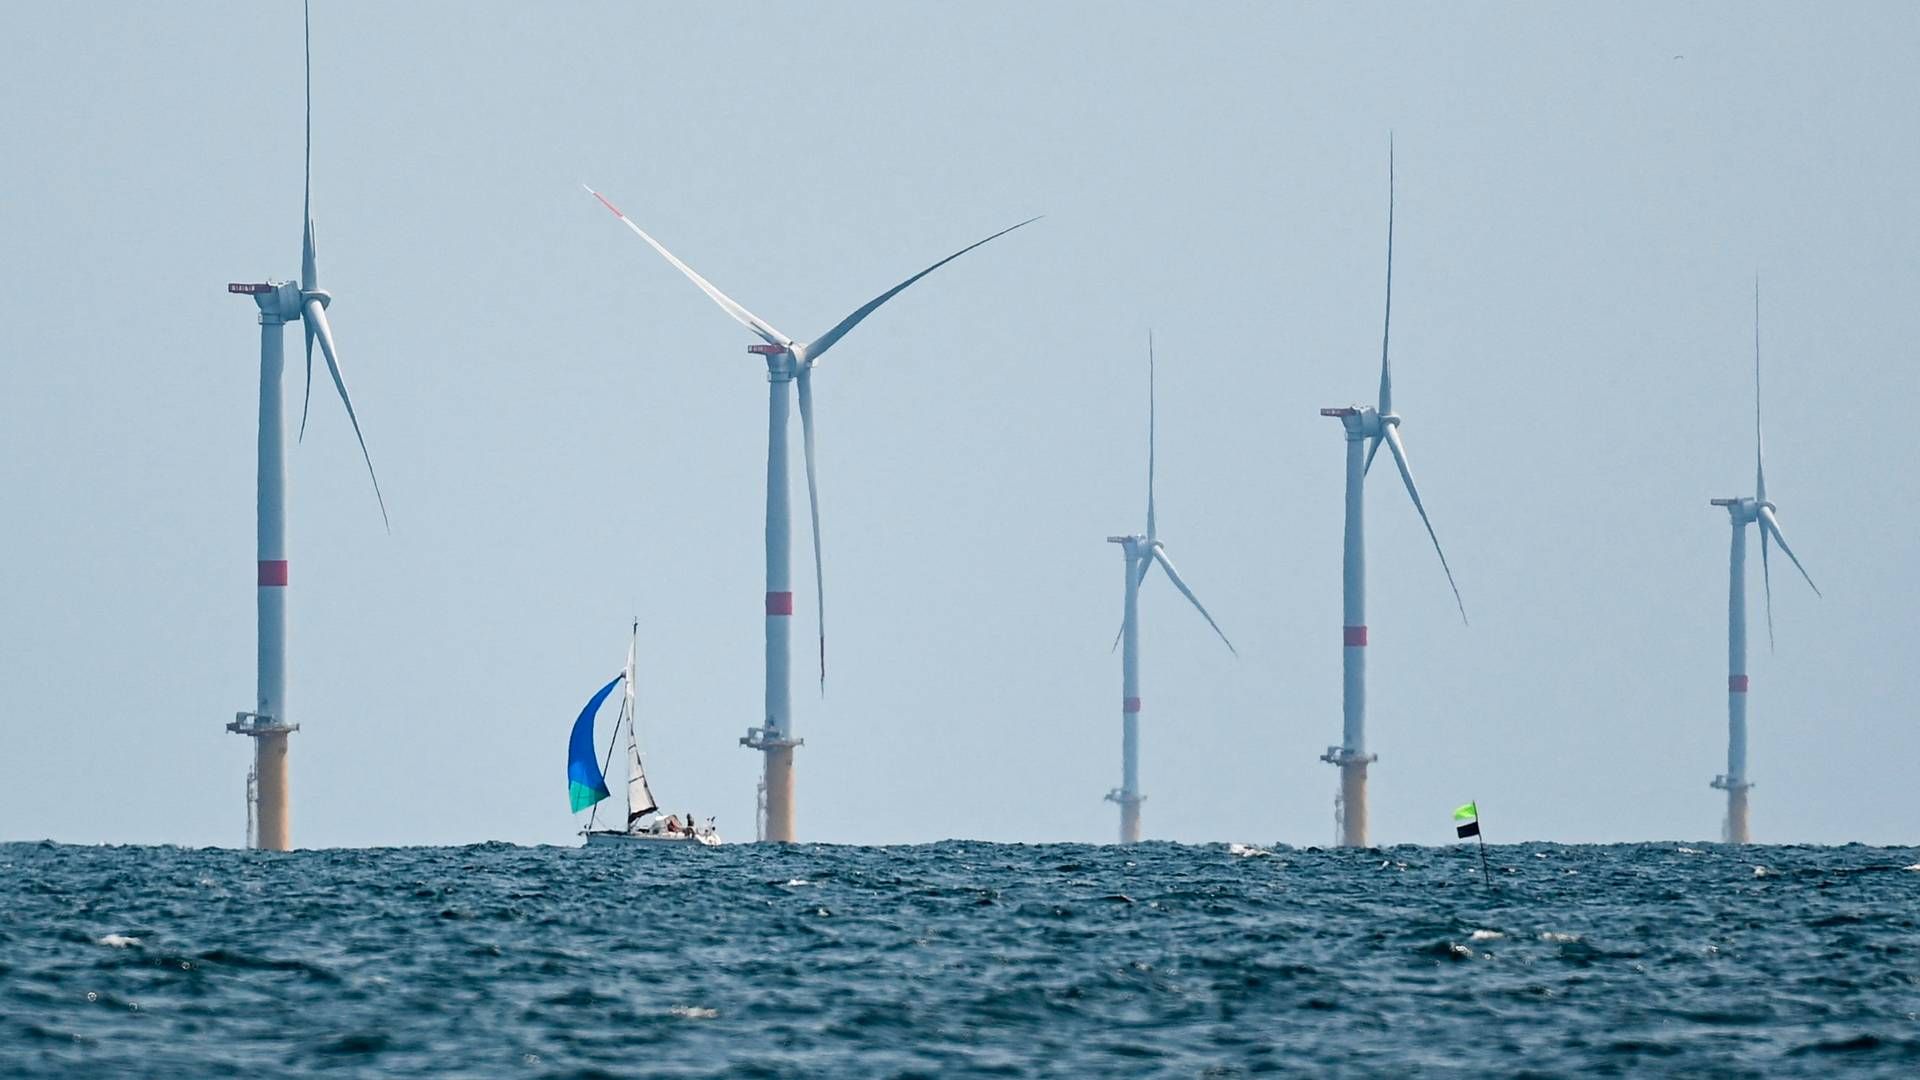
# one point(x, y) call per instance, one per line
point(586, 784)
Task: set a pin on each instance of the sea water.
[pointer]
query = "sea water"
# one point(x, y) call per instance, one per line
point(960, 959)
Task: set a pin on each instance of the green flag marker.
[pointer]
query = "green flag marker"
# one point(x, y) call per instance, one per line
point(1466, 820)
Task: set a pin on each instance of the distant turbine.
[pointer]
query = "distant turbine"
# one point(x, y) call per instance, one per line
point(280, 302)
point(1141, 553)
point(787, 361)
point(1744, 512)
point(1366, 424)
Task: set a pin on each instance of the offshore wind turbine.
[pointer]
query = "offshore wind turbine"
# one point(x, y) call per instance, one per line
point(788, 361)
point(1141, 553)
point(280, 302)
point(1375, 425)
point(1744, 512)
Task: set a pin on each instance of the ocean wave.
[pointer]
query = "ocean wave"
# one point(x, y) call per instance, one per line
point(956, 959)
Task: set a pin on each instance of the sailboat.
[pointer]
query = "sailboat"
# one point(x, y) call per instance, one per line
point(587, 778)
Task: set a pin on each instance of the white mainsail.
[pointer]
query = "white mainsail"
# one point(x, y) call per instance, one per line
point(639, 796)
point(640, 800)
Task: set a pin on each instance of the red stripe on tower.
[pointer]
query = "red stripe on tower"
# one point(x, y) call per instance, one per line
point(779, 603)
point(1131, 705)
point(1355, 635)
point(1736, 684)
point(273, 571)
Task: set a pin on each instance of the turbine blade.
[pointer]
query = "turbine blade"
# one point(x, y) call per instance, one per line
point(1371, 451)
point(1406, 473)
point(1386, 326)
point(1139, 575)
point(805, 380)
point(818, 347)
point(1160, 556)
point(1759, 457)
point(741, 315)
point(1766, 576)
point(317, 319)
point(1150, 440)
point(1772, 524)
point(308, 275)
point(309, 268)
point(306, 397)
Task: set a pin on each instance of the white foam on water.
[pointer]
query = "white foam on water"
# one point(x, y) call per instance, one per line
point(1485, 935)
point(794, 883)
point(1685, 851)
point(693, 1012)
point(1761, 871)
point(1246, 851)
point(1558, 937)
point(118, 941)
point(1458, 949)
point(1915, 866)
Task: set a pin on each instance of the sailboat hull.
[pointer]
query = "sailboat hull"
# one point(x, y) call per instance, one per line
point(609, 838)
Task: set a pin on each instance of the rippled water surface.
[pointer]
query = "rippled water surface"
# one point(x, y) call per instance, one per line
point(959, 959)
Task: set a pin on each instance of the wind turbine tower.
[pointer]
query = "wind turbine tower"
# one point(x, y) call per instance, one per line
point(1368, 426)
point(789, 363)
point(1141, 553)
point(1744, 512)
point(281, 302)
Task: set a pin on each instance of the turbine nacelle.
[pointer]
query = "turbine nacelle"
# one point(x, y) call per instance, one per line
point(279, 300)
point(1743, 510)
point(780, 359)
point(1363, 421)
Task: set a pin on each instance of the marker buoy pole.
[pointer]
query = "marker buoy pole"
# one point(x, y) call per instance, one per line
point(1466, 822)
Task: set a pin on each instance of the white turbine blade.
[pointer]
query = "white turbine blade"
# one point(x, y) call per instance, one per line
point(309, 269)
point(1766, 577)
point(818, 347)
point(1139, 575)
point(317, 320)
point(1406, 473)
point(1385, 403)
point(1759, 456)
point(745, 318)
point(308, 275)
point(1160, 556)
point(805, 379)
point(1150, 440)
point(306, 397)
point(1771, 524)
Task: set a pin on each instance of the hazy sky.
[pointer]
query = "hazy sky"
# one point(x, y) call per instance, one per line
point(569, 433)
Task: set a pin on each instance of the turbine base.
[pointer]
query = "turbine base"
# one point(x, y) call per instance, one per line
point(776, 783)
point(268, 789)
